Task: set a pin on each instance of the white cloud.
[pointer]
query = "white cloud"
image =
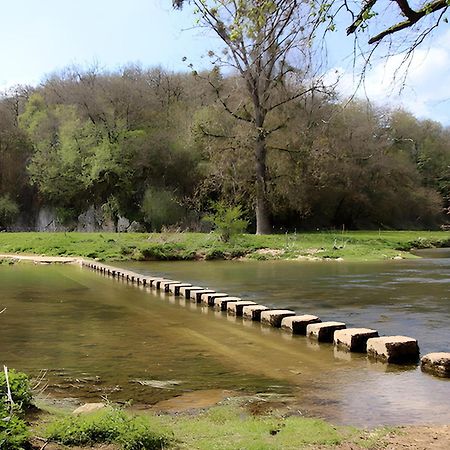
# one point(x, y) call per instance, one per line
point(422, 86)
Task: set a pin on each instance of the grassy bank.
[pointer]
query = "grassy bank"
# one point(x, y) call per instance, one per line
point(356, 246)
point(224, 427)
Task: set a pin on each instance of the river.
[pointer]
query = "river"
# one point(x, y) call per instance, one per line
point(90, 336)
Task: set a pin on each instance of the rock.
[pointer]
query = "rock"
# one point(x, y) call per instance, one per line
point(253, 312)
point(274, 317)
point(122, 224)
point(324, 331)
point(135, 227)
point(208, 298)
point(393, 349)
point(354, 339)
point(235, 308)
point(88, 408)
point(185, 291)
point(298, 324)
point(436, 364)
point(196, 296)
point(220, 304)
point(175, 288)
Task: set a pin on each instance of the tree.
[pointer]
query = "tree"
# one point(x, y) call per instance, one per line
point(267, 43)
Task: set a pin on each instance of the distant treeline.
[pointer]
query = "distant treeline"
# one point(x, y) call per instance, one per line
point(159, 148)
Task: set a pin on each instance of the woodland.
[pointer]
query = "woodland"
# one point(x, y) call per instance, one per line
point(159, 148)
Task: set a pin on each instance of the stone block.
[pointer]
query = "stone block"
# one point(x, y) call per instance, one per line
point(166, 284)
point(235, 308)
point(354, 339)
point(208, 298)
point(393, 349)
point(253, 312)
point(298, 324)
point(174, 288)
point(436, 364)
point(196, 296)
point(220, 304)
point(274, 317)
point(323, 331)
point(186, 290)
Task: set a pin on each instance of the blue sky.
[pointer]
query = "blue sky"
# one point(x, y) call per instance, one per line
point(38, 37)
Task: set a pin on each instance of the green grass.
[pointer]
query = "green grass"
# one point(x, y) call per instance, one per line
point(225, 427)
point(356, 246)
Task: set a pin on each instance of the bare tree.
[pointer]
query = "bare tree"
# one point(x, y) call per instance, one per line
point(268, 44)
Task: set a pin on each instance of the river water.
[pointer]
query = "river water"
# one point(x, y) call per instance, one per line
point(90, 336)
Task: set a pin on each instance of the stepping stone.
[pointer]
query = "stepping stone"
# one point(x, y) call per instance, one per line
point(191, 293)
point(253, 312)
point(298, 324)
point(196, 296)
point(185, 291)
point(208, 299)
point(158, 282)
point(274, 317)
point(323, 331)
point(220, 304)
point(235, 308)
point(176, 288)
point(166, 285)
point(393, 349)
point(354, 339)
point(436, 364)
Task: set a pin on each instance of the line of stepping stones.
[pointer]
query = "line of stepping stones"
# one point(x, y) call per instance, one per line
point(390, 349)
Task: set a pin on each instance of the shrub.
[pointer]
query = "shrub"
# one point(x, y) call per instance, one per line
point(8, 210)
point(13, 429)
point(227, 220)
point(161, 208)
point(110, 426)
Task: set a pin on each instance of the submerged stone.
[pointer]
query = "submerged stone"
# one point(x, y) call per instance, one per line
point(324, 331)
point(393, 349)
point(436, 364)
point(354, 339)
point(298, 324)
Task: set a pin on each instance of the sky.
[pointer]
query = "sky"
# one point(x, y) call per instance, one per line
point(39, 37)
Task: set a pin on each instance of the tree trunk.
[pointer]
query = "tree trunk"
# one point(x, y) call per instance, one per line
point(263, 219)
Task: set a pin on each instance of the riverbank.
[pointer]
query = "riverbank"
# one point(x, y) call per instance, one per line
point(227, 426)
point(349, 246)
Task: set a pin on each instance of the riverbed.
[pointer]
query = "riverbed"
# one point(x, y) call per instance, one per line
point(90, 336)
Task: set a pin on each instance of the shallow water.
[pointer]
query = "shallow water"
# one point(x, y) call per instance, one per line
point(96, 336)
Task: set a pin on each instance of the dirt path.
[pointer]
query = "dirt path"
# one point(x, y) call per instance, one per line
point(42, 259)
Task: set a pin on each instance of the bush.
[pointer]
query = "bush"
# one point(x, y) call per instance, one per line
point(110, 426)
point(8, 210)
point(227, 220)
point(160, 208)
point(13, 429)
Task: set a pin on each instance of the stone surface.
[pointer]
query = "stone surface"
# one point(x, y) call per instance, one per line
point(168, 284)
point(88, 408)
point(235, 308)
point(274, 317)
point(324, 331)
point(220, 304)
point(437, 364)
point(208, 298)
point(122, 224)
point(393, 349)
point(354, 339)
point(298, 324)
point(253, 312)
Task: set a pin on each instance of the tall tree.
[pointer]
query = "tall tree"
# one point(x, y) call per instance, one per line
point(267, 43)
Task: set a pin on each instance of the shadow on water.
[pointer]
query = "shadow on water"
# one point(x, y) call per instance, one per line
point(96, 336)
